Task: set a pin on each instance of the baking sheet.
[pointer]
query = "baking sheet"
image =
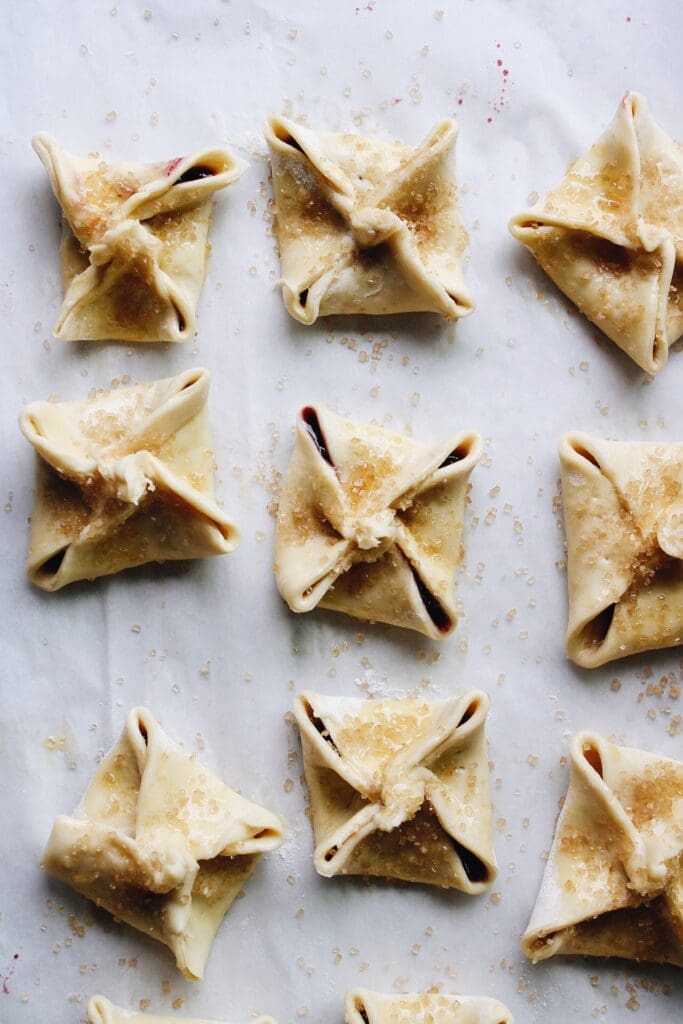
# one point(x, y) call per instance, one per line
point(209, 647)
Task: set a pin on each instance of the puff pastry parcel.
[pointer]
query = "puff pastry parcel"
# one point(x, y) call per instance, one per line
point(101, 1011)
point(124, 477)
point(623, 511)
point(611, 234)
point(160, 842)
point(364, 1007)
point(613, 884)
point(370, 522)
point(134, 241)
point(366, 226)
point(399, 788)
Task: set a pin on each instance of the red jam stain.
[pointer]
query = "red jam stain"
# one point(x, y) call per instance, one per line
point(462, 92)
point(171, 165)
point(6, 977)
point(498, 104)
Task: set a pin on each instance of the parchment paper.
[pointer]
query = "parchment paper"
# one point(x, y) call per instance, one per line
point(209, 646)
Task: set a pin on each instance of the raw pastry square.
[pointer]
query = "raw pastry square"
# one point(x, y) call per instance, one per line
point(611, 235)
point(101, 1011)
point(134, 241)
point(124, 477)
point(364, 1007)
point(367, 226)
point(613, 884)
point(370, 522)
point(623, 513)
point(399, 788)
point(160, 842)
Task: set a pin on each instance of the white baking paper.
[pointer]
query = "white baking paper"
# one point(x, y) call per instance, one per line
point(209, 646)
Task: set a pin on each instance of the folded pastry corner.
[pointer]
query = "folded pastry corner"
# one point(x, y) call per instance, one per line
point(370, 522)
point(160, 842)
point(623, 512)
point(367, 226)
point(610, 236)
point(361, 1006)
point(102, 1011)
point(613, 884)
point(134, 241)
point(124, 477)
point(399, 788)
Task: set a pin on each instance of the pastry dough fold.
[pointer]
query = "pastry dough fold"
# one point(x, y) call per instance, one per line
point(610, 235)
point(134, 241)
point(623, 511)
point(124, 477)
point(399, 788)
point(101, 1011)
point(362, 1006)
point(160, 842)
point(613, 885)
point(366, 226)
point(370, 522)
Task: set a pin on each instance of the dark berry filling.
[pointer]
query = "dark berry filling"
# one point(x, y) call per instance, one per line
point(474, 868)
point(435, 610)
point(291, 141)
point(314, 430)
point(53, 564)
point(318, 724)
point(457, 455)
point(195, 174)
point(595, 631)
